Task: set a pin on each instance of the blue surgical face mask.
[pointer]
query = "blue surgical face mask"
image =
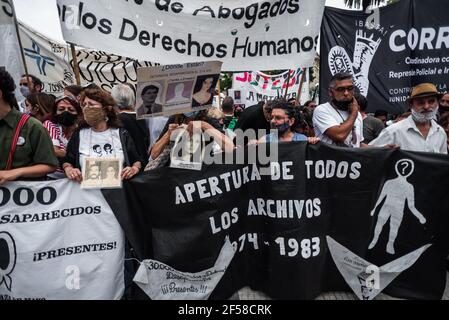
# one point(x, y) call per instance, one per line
point(24, 91)
point(191, 114)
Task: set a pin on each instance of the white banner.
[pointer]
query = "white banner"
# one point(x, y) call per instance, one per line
point(52, 62)
point(161, 282)
point(257, 86)
point(58, 242)
point(10, 57)
point(245, 35)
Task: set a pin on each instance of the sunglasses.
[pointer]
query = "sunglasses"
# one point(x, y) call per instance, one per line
point(343, 89)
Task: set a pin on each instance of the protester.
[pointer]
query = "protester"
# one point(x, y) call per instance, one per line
point(256, 117)
point(283, 119)
point(28, 85)
point(371, 125)
point(444, 105)
point(382, 115)
point(160, 152)
point(304, 123)
point(419, 132)
point(40, 106)
point(229, 120)
point(64, 120)
point(74, 91)
point(310, 105)
point(138, 129)
point(444, 123)
point(339, 122)
point(30, 155)
point(100, 127)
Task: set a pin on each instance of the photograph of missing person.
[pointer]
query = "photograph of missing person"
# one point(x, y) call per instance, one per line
point(179, 92)
point(149, 98)
point(204, 90)
point(101, 173)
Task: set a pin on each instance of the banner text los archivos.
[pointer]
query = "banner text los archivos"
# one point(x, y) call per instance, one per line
point(242, 47)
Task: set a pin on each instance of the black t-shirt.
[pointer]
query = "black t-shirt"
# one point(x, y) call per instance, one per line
point(138, 130)
point(253, 118)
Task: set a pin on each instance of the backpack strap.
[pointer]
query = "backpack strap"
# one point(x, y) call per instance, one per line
point(23, 120)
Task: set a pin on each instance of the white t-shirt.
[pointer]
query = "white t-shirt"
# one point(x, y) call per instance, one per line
point(104, 144)
point(326, 116)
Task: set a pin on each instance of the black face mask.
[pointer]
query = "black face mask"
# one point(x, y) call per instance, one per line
point(66, 118)
point(342, 105)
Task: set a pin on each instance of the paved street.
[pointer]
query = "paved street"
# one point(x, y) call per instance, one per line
point(248, 294)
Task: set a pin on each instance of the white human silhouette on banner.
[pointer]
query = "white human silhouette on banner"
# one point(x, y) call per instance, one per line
point(396, 193)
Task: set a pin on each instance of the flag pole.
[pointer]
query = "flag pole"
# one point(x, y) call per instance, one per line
point(75, 64)
point(303, 79)
point(16, 24)
point(288, 83)
point(219, 92)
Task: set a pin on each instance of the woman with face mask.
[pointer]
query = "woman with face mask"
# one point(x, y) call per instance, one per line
point(61, 126)
point(100, 127)
point(283, 119)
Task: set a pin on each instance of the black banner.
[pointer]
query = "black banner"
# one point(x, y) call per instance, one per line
point(279, 222)
point(388, 50)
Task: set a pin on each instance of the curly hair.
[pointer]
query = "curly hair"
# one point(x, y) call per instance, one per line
point(290, 111)
point(107, 101)
point(7, 88)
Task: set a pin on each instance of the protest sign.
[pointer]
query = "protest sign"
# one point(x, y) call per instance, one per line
point(52, 62)
point(174, 89)
point(279, 221)
point(100, 173)
point(245, 35)
point(58, 242)
point(388, 50)
point(258, 86)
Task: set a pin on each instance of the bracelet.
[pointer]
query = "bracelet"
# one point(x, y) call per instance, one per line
point(66, 165)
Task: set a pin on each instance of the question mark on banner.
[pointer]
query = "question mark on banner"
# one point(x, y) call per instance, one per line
point(404, 167)
point(8, 257)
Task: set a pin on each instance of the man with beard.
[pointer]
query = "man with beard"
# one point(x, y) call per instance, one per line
point(339, 122)
point(419, 132)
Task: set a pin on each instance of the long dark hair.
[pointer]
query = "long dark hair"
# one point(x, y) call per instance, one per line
point(7, 88)
point(108, 103)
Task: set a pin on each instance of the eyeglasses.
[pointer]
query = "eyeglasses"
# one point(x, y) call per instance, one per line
point(343, 89)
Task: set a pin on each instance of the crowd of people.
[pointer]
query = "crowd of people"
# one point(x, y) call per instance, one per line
point(49, 137)
point(44, 137)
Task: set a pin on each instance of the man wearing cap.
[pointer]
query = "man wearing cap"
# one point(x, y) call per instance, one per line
point(419, 132)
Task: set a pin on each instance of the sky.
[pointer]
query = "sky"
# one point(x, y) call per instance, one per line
point(42, 16)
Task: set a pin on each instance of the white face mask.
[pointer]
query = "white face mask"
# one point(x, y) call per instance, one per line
point(425, 116)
